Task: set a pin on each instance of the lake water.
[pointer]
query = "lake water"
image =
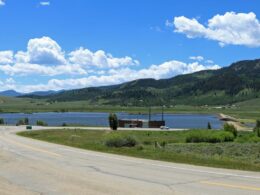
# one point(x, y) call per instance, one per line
point(101, 119)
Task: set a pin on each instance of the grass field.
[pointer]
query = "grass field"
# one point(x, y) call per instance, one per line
point(242, 153)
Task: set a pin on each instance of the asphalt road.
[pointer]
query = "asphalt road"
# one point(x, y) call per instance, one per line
point(34, 167)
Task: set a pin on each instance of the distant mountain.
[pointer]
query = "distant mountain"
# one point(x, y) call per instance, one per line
point(10, 93)
point(240, 81)
point(13, 93)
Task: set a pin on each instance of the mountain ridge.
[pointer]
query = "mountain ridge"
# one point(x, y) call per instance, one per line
point(238, 82)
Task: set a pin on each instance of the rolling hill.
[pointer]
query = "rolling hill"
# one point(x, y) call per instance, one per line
point(238, 82)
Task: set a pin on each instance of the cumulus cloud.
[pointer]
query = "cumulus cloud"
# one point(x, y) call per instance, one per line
point(116, 76)
point(2, 3)
point(172, 68)
point(44, 56)
point(83, 68)
point(228, 29)
point(45, 51)
point(99, 59)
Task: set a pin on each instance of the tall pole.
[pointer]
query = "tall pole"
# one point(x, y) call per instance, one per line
point(162, 113)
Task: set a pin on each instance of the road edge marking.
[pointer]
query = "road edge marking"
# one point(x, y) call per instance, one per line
point(242, 187)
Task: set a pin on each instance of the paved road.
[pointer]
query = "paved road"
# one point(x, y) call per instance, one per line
point(34, 167)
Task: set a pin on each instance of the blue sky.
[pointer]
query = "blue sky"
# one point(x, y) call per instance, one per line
point(59, 44)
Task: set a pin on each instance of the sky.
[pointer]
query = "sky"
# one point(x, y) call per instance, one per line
point(62, 44)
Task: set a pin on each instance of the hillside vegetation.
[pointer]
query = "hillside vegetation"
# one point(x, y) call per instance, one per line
point(238, 82)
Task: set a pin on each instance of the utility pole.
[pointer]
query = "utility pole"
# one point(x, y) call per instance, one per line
point(162, 112)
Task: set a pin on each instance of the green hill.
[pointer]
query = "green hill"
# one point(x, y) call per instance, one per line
point(238, 82)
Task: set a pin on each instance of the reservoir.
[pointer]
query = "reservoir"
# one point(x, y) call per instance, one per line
point(101, 119)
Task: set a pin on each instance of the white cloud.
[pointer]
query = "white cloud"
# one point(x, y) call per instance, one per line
point(228, 29)
point(44, 56)
point(197, 58)
point(7, 84)
point(116, 76)
point(10, 81)
point(33, 69)
point(209, 61)
point(2, 3)
point(172, 68)
point(45, 3)
point(45, 51)
point(6, 57)
point(99, 58)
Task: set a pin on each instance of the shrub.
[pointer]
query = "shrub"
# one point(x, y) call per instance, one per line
point(2, 121)
point(257, 128)
point(163, 144)
point(120, 141)
point(64, 124)
point(24, 121)
point(41, 123)
point(209, 125)
point(113, 122)
point(257, 124)
point(257, 131)
point(230, 128)
point(212, 136)
point(140, 147)
point(247, 137)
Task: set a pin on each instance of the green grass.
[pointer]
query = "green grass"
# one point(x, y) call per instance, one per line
point(243, 153)
point(209, 136)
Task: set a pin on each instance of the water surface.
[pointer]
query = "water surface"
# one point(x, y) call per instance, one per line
point(101, 119)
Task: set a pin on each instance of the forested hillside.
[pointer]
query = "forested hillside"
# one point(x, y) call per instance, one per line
point(240, 81)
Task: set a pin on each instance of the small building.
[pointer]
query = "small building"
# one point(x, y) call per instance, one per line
point(132, 123)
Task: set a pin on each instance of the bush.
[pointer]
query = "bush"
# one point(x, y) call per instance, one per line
point(163, 144)
point(119, 141)
point(64, 125)
point(24, 121)
point(41, 123)
point(257, 128)
point(257, 124)
point(113, 122)
point(2, 122)
point(257, 131)
point(212, 136)
point(247, 137)
point(230, 128)
point(140, 147)
point(209, 125)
